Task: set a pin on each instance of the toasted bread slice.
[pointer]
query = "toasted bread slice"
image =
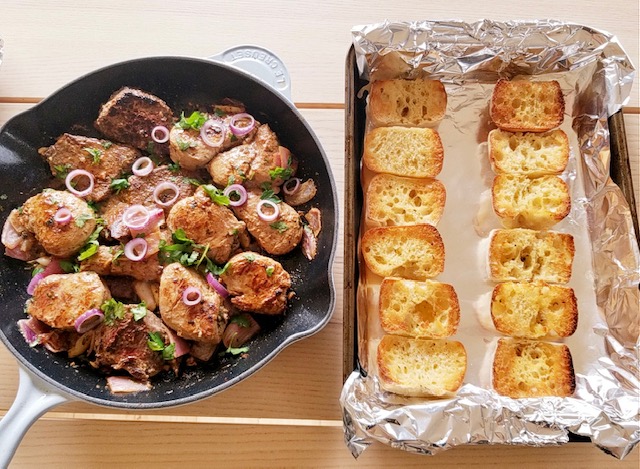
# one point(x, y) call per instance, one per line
point(403, 151)
point(534, 310)
point(524, 202)
point(421, 368)
point(528, 153)
point(414, 252)
point(425, 309)
point(396, 201)
point(525, 255)
point(407, 102)
point(524, 368)
point(526, 106)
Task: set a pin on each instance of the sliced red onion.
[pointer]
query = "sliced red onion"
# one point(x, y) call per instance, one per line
point(182, 346)
point(266, 216)
point(164, 187)
point(296, 186)
point(217, 286)
point(160, 134)
point(136, 249)
point(125, 384)
point(53, 267)
point(239, 131)
point(187, 296)
point(213, 133)
point(10, 236)
point(35, 280)
point(156, 218)
point(89, 320)
point(142, 166)
point(62, 216)
point(136, 217)
point(75, 173)
point(29, 334)
point(240, 190)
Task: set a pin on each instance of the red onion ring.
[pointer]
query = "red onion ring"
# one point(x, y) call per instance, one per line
point(72, 175)
point(217, 286)
point(62, 216)
point(162, 187)
point(164, 132)
point(219, 131)
point(136, 249)
point(29, 334)
point(265, 216)
point(88, 320)
point(285, 186)
point(35, 280)
point(142, 166)
point(240, 190)
point(240, 131)
point(136, 217)
point(189, 291)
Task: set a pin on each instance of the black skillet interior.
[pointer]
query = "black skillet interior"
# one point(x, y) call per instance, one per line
point(183, 83)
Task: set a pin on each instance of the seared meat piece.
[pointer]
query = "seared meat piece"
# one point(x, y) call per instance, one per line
point(208, 223)
point(19, 242)
point(130, 115)
point(149, 292)
point(109, 260)
point(140, 191)
point(253, 163)
point(103, 159)
point(276, 237)
point(314, 218)
point(257, 283)
point(61, 240)
point(124, 345)
point(59, 299)
point(304, 194)
point(121, 288)
point(202, 322)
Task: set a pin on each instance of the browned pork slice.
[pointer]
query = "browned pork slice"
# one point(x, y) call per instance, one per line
point(102, 158)
point(257, 283)
point(207, 223)
point(124, 345)
point(188, 148)
point(278, 236)
point(57, 238)
point(59, 299)
point(140, 191)
point(204, 321)
point(110, 260)
point(129, 117)
point(259, 160)
point(19, 242)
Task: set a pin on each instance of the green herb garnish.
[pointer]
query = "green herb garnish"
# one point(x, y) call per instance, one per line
point(119, 184)
point(195, 121)
point(241, 320)
point(184, 144)
point(174, 167)
point(82, 219)
point(235, 351)
point(36, 271)
point(250, 257)
point(280, 226)
point(156, 344)
point(268, 194)
point(282, 173)
point(61, 170)
point(106, 144)
point(95, 153)
point(91, 246)
point(139, 311)
point(188, 253)
point(113, 310)
point(216, 194)
point(270, 270)
point(69, 267)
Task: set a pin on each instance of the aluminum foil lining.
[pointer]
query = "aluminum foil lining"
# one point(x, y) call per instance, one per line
point(596, 77)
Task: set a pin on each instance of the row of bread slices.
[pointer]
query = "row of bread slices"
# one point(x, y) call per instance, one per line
point(403, 204)
point(529, 303)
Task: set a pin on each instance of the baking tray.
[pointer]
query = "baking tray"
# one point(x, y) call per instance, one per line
point(355, 119)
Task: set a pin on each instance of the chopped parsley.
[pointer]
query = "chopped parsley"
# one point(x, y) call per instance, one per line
point(250, 257)
point(269, 270)
point(195, 121)
point(69, 267)
point(241, 320)
point(91, 246)
point(139, 311)
point(119, 184)
point(184, 144)
point(280, 226)
point(95, 153)
point(106, 144)
point(235, 350)
point(156, 344)
point(82, 219)
point(268, 194)
point(216, 194)
point(174, 167)
point(61, 170)
point(37, 270)
point(188, 253)
point(219, 112)
point(113, 310)
point(93, 205)
point(117, 254)
point(282, 173)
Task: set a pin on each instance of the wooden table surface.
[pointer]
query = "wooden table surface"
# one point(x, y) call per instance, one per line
point(287, 414)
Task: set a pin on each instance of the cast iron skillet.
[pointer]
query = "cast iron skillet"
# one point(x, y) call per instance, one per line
point(181, 82)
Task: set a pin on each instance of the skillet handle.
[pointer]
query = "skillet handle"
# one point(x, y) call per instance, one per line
point(33, 399)
point(259, 62)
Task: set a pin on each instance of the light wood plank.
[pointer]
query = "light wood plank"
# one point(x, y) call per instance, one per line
point(49, 43)
point(68, 444)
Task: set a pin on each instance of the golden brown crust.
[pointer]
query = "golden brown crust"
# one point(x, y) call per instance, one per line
point(525, 106)
point(534, 310)
point(394, 201)
point(413, 152)
point(525, 255)
point(524, 202)
point(418, 309)
point(407, 102)
point(524, 369)
point(413, 252)
point(421, 368)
